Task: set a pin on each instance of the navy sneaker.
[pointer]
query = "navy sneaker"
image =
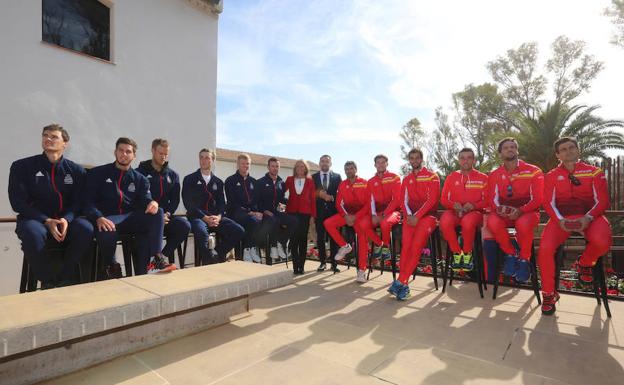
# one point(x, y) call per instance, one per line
point(456, 261)
point(403, 293)
point(510, 265)
point(467, 264)
point(385, 253)
point(523, 270)
point(394, 288)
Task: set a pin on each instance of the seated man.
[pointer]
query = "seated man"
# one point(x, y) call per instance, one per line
point(352, 204)
point(44, 191)
point(202, 194)
point(242, 205)
point(118, 201)
point(516, 191)
point(576, 197)
point(421, 193)
point(165, 189)
point(385, 203)
point(464, 196)
point(272, 203)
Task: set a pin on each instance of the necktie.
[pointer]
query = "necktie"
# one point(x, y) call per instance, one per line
point(324, 181)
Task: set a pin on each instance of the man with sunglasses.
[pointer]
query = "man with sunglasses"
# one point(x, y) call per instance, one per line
point(576, 197)
point(516, 191)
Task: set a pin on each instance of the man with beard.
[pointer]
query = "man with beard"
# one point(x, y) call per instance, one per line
point(118, 201)
point(421, 192)
point(516, 191)
point(165, 189)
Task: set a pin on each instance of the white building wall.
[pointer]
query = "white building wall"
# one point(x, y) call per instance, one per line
point(162, 83)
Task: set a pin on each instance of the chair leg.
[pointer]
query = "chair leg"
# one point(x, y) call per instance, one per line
point(435, 251)
point(370, 263)
point(445, 274)
point(497, 273)
point(127, 256)
point(24, 279)
point(603, 285)
point(534, 283)
point(393, 254)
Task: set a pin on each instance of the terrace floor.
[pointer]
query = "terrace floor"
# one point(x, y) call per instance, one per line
point(326, 329)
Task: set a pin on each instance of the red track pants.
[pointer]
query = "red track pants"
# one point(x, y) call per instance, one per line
point(524, 225)
point(414, 240)
point(365, 230)
point(469, 222)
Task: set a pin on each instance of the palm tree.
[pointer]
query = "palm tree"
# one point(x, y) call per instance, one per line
point(536, 136)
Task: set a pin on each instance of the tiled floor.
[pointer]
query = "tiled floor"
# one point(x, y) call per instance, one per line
point(326, 329)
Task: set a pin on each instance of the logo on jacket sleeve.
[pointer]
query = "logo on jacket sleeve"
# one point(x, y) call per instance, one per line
point(68, 179)
point(131, 187)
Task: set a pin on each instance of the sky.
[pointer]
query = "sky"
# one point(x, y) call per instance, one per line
point(300, 79)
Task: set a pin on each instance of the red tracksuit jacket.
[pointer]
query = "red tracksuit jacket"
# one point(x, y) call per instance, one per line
point(420, 193)
point(463, 189)
point(385, 193)
point(562, 197)
point(353, 198)
point(522, 188)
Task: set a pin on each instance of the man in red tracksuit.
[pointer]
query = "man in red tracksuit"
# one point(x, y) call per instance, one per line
point(385, 203)
point(464, 196)
point(421, 192)
point(516, 191)
point(352, 204)
point(576, 197)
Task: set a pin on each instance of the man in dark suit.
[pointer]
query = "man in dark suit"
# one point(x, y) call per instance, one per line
point(326, 182)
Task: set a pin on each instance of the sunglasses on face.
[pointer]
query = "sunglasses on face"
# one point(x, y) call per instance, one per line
point(509, 191)
point(575, 181)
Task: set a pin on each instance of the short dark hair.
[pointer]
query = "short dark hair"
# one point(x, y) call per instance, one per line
point(415, 151)
point(59, 128)
point(159, 142)
point(325, 156)
point(505, 140)
point(124, 140)
point(212, 153)
point(380, 156)
point(272, 159)
point(466, 149)
point(350, 163)
point(563, 140)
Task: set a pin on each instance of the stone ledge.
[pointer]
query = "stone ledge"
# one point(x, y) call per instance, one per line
point(34, 321)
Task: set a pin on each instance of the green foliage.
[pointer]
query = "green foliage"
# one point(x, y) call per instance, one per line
point(616, 12)
point(413, 136)
point(443, 146)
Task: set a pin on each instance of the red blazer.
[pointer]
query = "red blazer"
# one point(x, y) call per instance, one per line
point(304, 203)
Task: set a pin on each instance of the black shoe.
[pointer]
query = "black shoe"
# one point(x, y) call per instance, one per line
point(114, 271)
point(335, 269)
point(321, 267)
point(47, 285)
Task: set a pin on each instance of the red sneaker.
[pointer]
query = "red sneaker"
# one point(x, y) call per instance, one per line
point(548, 302)
point(159, 264)
point(585, 273)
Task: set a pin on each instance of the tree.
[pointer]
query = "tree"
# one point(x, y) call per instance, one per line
point(413, 136)
point(594, 134)
point(443, 146)
point(517, 74)
point(482, 114)
point(524, 88)
point(616, 12)
point(572, 71)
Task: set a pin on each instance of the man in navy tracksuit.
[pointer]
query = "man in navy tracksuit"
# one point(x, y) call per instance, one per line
point(43, 190)
point(165, 189)
point(202, 194)
point(271, 202)
point(118, 201)
point(242, 205)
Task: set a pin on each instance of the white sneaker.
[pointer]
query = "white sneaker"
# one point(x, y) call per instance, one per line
point(281, 252)
point(274, 255)
point(247, 254)
point(342, 252)
point(361, 276)
point(254, 255)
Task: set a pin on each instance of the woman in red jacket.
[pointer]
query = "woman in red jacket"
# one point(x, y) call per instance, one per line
point(302, 204)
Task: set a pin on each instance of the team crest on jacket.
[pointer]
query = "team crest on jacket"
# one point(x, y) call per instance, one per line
point(214, 187)
point(266, 185)
point(168, 179)
point(108, 180)
point(39, 173)
point(149, 176)
point(456, 183)
point(238, 183)
point(199, 182)
point(251, 186)
point(560, 177)
point(376, 183)
point(131, 187)
point(504, 177)
point(68, 179)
